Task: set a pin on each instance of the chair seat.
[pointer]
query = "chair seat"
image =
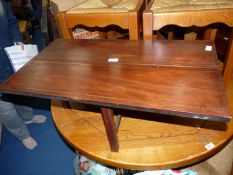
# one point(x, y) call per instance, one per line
point(98, 6)
point(189, 5)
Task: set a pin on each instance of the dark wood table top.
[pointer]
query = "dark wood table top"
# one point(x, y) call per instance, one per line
point(169, 77)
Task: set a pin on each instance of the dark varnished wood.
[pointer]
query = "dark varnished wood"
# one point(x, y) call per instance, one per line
point(110, 127)
point(159, 53)
point(168, 77)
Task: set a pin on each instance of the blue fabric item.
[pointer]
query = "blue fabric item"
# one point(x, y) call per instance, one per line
point(52, 156)
point(37, 9)
point(9, 33)
point(36, 33)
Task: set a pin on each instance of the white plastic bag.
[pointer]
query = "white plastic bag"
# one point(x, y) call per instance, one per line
point(86, 166)
point(19, 57)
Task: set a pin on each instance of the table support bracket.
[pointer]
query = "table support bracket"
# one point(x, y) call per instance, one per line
point(111, 128)
point(118, 121)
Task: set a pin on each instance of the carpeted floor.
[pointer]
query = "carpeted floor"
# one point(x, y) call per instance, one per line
point(51, 157)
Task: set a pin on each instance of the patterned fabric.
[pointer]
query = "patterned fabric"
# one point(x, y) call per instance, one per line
point(168, 172)
point(182, 5)
point(86, 166)
point(98, 6)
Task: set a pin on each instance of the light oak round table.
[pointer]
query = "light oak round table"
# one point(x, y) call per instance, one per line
point(146, 142)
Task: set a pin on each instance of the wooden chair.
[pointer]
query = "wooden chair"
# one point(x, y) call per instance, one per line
point(92, 13)
point(160, 13)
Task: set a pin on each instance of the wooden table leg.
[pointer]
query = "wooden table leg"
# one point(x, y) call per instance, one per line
point(111, 129)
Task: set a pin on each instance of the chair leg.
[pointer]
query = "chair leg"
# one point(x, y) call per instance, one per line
point(133, 26)
point(228, 63)
point(210, 34)
point(148, 25)
point(170, 35)
point(190, 36)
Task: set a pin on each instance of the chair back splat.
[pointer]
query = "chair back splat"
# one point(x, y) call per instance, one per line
point(126, 14)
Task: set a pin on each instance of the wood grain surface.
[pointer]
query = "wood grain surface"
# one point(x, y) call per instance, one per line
point(167, 77)
point(147, 141)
